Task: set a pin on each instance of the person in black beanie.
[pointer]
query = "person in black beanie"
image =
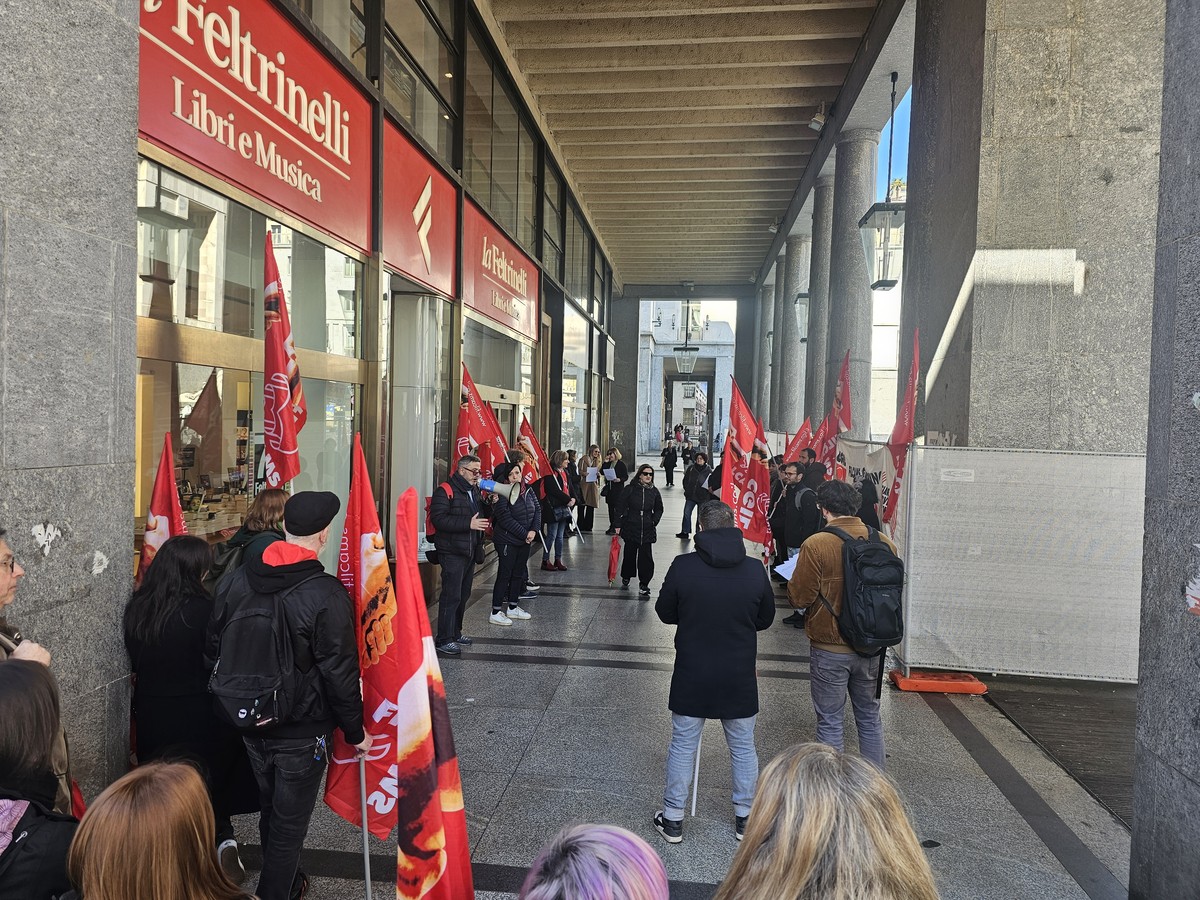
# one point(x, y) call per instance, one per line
point(515, 527)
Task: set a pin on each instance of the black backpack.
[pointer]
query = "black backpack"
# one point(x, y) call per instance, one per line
point(872, 617)
point(255, 679)
point(226, 558)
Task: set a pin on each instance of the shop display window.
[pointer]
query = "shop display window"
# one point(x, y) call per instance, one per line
point(200, 263)
point(214, 417)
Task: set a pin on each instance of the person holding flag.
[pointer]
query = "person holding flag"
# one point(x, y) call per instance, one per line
point(284, 408)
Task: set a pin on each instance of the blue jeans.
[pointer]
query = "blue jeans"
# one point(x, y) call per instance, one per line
point(681, 762)
point(288, 772)
point(688, 506)
point(833, 675)
point(555, 531)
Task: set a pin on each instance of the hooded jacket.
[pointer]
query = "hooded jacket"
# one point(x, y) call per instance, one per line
point(720, 599)
point(320, 620)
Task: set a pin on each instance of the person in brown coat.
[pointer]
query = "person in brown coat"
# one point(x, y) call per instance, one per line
point(835, 668)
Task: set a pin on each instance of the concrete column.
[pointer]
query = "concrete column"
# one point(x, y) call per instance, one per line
point(849, 287)
point(68, 292)
point(777, 346)
point(622, 416)
point(762, 396)
point(795, 281)
point(751, 389)
point(1166, 794)
point(651, 441)
point(818, 300)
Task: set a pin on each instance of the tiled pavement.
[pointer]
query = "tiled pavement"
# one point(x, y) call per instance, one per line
point(563, 718)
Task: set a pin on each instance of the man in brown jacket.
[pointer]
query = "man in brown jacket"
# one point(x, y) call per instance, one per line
point(835, 669)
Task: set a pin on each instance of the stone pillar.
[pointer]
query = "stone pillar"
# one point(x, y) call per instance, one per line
point(818, 301)
point(777, 346)
point(651, 441)
point(622, 415)
point(1166, 795)
point(795, 281)
point(756, 374)
point(762, 396)
point(849, 287)
point(68, 292)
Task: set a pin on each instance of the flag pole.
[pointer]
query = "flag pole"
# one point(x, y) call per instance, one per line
point(695, 777)
point(362, 793)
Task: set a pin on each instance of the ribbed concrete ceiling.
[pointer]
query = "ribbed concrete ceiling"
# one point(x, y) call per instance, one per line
point(684, 124)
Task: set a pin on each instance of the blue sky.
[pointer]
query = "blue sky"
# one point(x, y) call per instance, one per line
point(899, 151)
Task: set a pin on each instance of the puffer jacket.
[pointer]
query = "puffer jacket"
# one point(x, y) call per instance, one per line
point(819, 574)
point(639, 510)
point(511, 522)
point(451, 517)
point(320, 619)
point(33, 865)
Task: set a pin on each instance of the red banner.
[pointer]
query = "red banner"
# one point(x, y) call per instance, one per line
point(239, 91)
point(537, 464)
point(837, 421)
point(363, 568)
point(800, 440)
point(420, 214)
point(205, 419)
point(433, 860)
point(478, 430)
point(284, 407)
point(164, 518)
point(902, 431)
point(745, 479)
point(499, 281)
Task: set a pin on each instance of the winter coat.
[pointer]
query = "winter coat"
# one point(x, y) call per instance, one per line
point(320, 620)
point(33, 866)
point(615, 487)
point(670, 459)
point(868, 512)
point(720, 599)
point(638, 511)
point(801, 518)
point(692, 479)
point(451, 517)
point(512, 522)
point(555, 491)
point(591, 489)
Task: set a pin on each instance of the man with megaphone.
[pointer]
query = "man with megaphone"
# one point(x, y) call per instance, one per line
point(460, 517)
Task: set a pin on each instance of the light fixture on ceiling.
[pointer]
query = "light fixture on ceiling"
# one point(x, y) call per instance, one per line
point(882, 228)
point(774, 226)
point(818, 120)
point(685, 356)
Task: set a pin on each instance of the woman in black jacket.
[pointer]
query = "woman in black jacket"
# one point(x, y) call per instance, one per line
point(556, 510)
point(614, 487)
point(694, 493)
point(638, 514)
point(33, 839)
point(165, 625)
point(670, 459)
point(515, 527)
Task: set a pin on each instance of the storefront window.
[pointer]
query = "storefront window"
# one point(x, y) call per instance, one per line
point(552, 223)
point(574, 379)
point(495, 359)
point(414, 102)
point(341, 21)
point(410, 24)
point(200, 263)
point(578, 276)
point(214, 417)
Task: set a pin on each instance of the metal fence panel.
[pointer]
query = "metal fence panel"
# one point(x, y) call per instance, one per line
point(1023, 562)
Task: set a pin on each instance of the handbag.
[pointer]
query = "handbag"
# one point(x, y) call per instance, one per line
point(562, 513)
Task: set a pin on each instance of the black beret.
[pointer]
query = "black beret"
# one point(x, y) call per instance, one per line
point(502, 472)
point(308, 512)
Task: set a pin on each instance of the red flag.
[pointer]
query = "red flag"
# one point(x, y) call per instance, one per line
point(478, 430)
point(837, 421)
point(433, 859)
point(284, 407)
point(801, 439)
point(614, 558)
point(902, 432)
point(363, 568)
point(539, 463)
point(164, 518)
point(745, 479)
point(205, 420)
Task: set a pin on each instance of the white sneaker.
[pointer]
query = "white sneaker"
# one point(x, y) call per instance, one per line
point(515, 612)
point(499, 618)
point(231, 863)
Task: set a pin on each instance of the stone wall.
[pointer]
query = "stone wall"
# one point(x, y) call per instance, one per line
point(1166, 829)
point(68, 284)
point(623, 410)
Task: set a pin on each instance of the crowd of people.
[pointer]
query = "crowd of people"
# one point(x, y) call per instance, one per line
point(817, 823)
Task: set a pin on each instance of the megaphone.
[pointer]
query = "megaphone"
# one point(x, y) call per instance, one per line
point(511, 491)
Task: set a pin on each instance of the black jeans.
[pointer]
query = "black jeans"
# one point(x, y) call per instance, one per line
point(511, 574)
point(587, 515)
point(670, 477)
point(639, 560)
point(288, 772)
point(458, 576)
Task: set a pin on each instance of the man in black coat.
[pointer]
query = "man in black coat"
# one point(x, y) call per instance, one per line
point(694, 494)
point(720, 599)
point(458, 517)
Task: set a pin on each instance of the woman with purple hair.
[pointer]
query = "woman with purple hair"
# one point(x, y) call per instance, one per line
point(596, 862)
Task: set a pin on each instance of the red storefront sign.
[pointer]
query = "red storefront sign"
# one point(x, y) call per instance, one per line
point(420, 216)
point(499, 281)
point(235, 89)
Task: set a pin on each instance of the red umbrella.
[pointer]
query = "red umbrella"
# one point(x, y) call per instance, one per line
point(614, 557)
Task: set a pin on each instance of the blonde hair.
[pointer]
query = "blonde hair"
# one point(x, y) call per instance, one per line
point(827, 826)
point(150, 836)
point(615, 452)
